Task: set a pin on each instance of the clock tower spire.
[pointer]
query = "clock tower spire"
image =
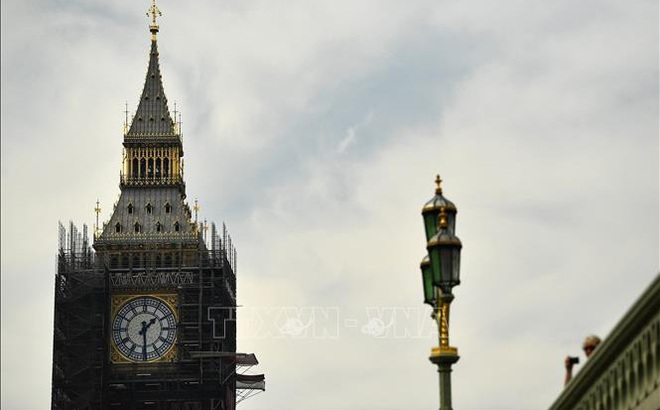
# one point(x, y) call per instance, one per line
point(152, 200)
point(145, 317)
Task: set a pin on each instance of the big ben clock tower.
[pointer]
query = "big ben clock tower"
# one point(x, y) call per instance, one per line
point(145, 317)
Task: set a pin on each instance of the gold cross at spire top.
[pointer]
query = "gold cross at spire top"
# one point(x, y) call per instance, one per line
point(154, 12)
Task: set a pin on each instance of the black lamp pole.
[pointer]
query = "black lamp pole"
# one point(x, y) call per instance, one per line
point(440, 273)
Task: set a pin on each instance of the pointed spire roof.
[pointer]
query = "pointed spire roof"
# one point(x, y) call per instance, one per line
point(152, 118)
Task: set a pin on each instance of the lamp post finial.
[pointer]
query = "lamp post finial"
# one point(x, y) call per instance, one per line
point(438, 187)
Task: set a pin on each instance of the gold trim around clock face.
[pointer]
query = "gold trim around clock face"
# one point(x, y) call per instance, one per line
point(118, 301)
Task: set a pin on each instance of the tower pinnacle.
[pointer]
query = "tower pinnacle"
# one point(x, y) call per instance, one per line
point(153, 12)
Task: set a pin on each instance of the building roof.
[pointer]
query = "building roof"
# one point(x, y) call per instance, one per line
point(150, 215)
point(620, 370)
point(149, 211)
point(152, 117)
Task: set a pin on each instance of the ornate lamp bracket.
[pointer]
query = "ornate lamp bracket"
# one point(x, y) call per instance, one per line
point(441, 314)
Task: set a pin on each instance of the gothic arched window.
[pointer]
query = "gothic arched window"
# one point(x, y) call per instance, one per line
point(129, 208)
point(166, 167)
point(176, 226)
point(150, 168)
point(159, 227)
point(118, 227)
point(149, 208)
point(157, 167)
point(168, 208)
point(137, 227)
point(124, 260)
point(135, 167)
point(114, 261)
point(143, 168)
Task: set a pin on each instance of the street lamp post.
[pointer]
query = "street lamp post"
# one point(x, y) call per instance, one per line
point(440, 273)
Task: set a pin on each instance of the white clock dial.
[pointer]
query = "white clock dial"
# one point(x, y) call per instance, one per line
point(144, 329)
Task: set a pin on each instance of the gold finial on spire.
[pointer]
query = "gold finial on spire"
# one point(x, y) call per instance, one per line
point(442, 218)
point(154, 12)
point(97, 209)
point(438, 188)
point(196, 208)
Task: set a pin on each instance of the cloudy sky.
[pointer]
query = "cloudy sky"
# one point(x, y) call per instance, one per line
point(314, 129)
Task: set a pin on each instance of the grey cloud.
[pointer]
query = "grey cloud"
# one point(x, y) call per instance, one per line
point(541, 117)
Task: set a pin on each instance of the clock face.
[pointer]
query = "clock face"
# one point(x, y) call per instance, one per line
point(144, 329)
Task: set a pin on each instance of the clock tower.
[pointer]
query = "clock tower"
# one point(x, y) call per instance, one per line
point(145, 316)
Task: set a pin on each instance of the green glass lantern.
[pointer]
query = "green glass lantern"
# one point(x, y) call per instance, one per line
point(427, 281)
point(444, 250)
point(431, 210)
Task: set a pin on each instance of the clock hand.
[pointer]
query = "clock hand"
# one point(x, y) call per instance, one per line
point(143, 333)
point(146, 325)
point(144, 344)
point(144, 328)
